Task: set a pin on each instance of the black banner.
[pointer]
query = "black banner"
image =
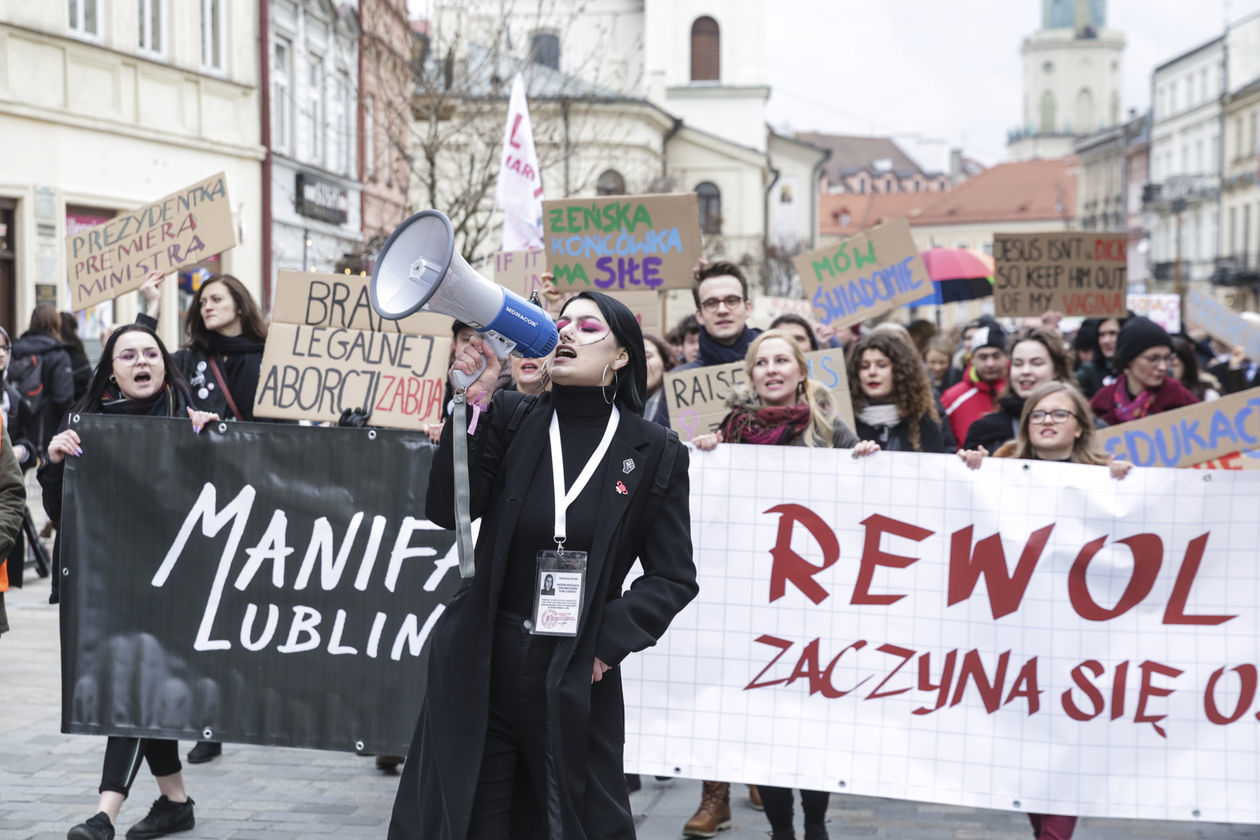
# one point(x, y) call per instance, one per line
point(258, 583)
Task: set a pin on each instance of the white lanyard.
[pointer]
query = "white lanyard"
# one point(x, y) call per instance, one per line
point(563, 499)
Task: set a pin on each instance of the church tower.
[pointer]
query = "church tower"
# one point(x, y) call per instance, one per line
point(1072, 79)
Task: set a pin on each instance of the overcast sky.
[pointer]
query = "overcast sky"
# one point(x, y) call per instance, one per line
point(948, 71)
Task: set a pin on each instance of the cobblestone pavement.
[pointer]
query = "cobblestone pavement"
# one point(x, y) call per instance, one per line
point(48, 780)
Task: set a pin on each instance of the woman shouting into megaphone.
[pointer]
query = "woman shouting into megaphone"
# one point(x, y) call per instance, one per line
point(521, 731)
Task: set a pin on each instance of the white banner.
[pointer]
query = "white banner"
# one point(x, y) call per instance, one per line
point(1031, 636)
point(519, 188)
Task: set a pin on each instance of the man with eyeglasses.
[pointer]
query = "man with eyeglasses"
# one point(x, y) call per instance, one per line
point(1143, 387)
point(721, 294)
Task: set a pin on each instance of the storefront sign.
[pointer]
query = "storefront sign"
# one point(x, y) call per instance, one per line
point(320, 198)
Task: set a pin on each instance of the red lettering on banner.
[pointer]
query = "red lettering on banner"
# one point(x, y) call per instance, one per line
point(1006, 591)
point(1175, 613)
point(1110, 250)
point(515, 125)
point(1246, 694)
point(906, 655)
point(1026, 686)
point(925, 680)
point(790, 566)
point(1118, 683)
point(1149, 690)
point(774, 641)
point(1148, 553)
point(973, 669)
point(1086, 685)
point(826, 686)
point(872, 556)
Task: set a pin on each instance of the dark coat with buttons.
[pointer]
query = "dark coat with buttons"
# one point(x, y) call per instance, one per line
point(586, 790)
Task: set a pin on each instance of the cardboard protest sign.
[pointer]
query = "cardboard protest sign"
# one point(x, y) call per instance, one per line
point(327, 350)
point(864, 276)
point(766, 309)
point(1164, 310)
point(621, 243)
point(1220, 322)
point(1083, 274)
point(343, 300)
point(183, 228)
point(259, 576)
point(1029, 636)
point(1188, 436)
point(315, 373)
point(697, 397)
point(521, 272)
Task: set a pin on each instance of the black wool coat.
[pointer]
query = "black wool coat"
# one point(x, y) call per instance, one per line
point(586, 790)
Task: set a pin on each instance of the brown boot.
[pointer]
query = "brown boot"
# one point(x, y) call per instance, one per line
point(754, 798)
point(714, 813)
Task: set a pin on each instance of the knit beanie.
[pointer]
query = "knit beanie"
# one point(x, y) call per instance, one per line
point(988, 333)
point(1138, 335)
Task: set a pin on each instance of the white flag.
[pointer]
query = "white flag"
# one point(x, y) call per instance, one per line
point(519, 189)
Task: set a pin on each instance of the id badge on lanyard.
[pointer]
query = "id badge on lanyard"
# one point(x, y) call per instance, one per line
point(560, 583)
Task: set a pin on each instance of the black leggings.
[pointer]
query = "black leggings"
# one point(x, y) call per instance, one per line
point(778, 802)
point(122, 761)
point(511, 786)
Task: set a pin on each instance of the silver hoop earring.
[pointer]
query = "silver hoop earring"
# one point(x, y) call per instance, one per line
point(603, 388)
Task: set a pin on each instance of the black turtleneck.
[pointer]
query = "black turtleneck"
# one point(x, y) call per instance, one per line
point(583, 416)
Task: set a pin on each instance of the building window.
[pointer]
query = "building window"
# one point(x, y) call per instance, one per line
point(212, 35)
point(610, 182)
point(544, 49)
point(706, 50)
point(1085, 111)
point(1255, 132)
point(710, 207)
point(84, 19)
point(369, 137)
point(1047, 113)
point(315, 108)
point(282, 95)
point(1203, 85)
point(845, 218)
point(152, 18)
point(1048, 67)
point(345, 123)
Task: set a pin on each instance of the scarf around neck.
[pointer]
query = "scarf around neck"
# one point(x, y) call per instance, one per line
point(882, 414)
point(168, 402)
point(713, 353)
point(1131, 408)
point(771, 424)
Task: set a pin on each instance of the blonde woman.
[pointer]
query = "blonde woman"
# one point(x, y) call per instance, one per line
point(784, 406)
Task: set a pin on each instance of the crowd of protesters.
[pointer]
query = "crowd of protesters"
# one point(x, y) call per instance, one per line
point(1024, 390)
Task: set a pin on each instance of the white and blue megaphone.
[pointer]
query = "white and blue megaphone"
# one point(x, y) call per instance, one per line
point(419, 268)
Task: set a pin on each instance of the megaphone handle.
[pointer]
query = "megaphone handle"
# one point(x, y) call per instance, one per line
point(502, 348)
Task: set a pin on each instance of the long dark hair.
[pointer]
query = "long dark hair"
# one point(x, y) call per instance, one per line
point(91, 401)
point(912, 394)
point(253, 326)
point(631, 380)
point(70, 332)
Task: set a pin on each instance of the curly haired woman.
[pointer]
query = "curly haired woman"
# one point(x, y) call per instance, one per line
point(892, 400)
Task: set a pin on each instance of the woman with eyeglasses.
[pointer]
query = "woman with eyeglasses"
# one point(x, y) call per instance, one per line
point(1037, 357)
point(1055, 425)
point(523, 722)
point(135, 376)
point(783, 408)
point(1143, 386)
